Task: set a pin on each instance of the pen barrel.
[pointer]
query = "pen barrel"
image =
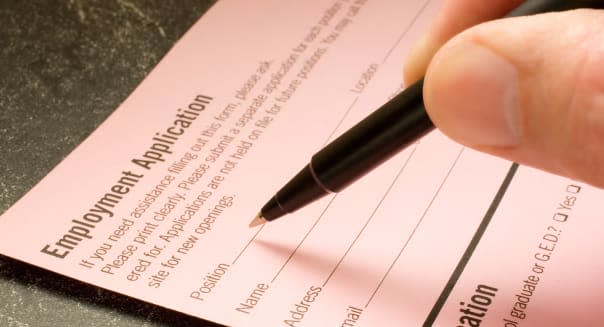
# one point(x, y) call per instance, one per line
point(384, 133)
point(541, 6)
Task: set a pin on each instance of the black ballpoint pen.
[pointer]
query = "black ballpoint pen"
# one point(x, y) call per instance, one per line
point(384, 133)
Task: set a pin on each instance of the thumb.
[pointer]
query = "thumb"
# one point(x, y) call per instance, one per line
point(529, 89)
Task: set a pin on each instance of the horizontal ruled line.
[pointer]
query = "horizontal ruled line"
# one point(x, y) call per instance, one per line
point(421, 219)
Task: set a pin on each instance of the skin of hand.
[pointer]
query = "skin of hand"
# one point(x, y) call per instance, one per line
point(528, 89)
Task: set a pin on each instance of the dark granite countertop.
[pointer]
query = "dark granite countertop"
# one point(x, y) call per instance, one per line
point(65, 65)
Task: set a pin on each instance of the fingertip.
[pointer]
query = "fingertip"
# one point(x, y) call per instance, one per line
point(527, 98)
point(453, 17)
point(419, 58)
point(471, 95)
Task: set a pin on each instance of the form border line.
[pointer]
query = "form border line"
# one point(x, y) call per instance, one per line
point(444, 295)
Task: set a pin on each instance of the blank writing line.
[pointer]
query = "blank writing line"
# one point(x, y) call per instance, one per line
point(415, 228)
point(421, 10)
point(341, 120)
point(248, 244)
point(404, 165)
point(371, 216)
point(302, 241)
point(330, 201)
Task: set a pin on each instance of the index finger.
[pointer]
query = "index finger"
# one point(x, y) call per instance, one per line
point(453, 17)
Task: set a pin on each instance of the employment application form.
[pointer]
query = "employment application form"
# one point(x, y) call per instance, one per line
point(155, 204)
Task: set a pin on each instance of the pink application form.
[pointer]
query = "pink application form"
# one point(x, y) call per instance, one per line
point(439, 235)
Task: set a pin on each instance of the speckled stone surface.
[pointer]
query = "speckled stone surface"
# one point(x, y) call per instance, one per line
point(65, 65)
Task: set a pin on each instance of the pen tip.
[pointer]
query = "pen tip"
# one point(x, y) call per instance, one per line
point(258, 220)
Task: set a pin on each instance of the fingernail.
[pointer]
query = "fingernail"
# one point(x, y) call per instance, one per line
point(418, 58)
point(472, 95)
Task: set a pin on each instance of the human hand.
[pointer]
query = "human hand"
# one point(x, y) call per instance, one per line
point(528, 89)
